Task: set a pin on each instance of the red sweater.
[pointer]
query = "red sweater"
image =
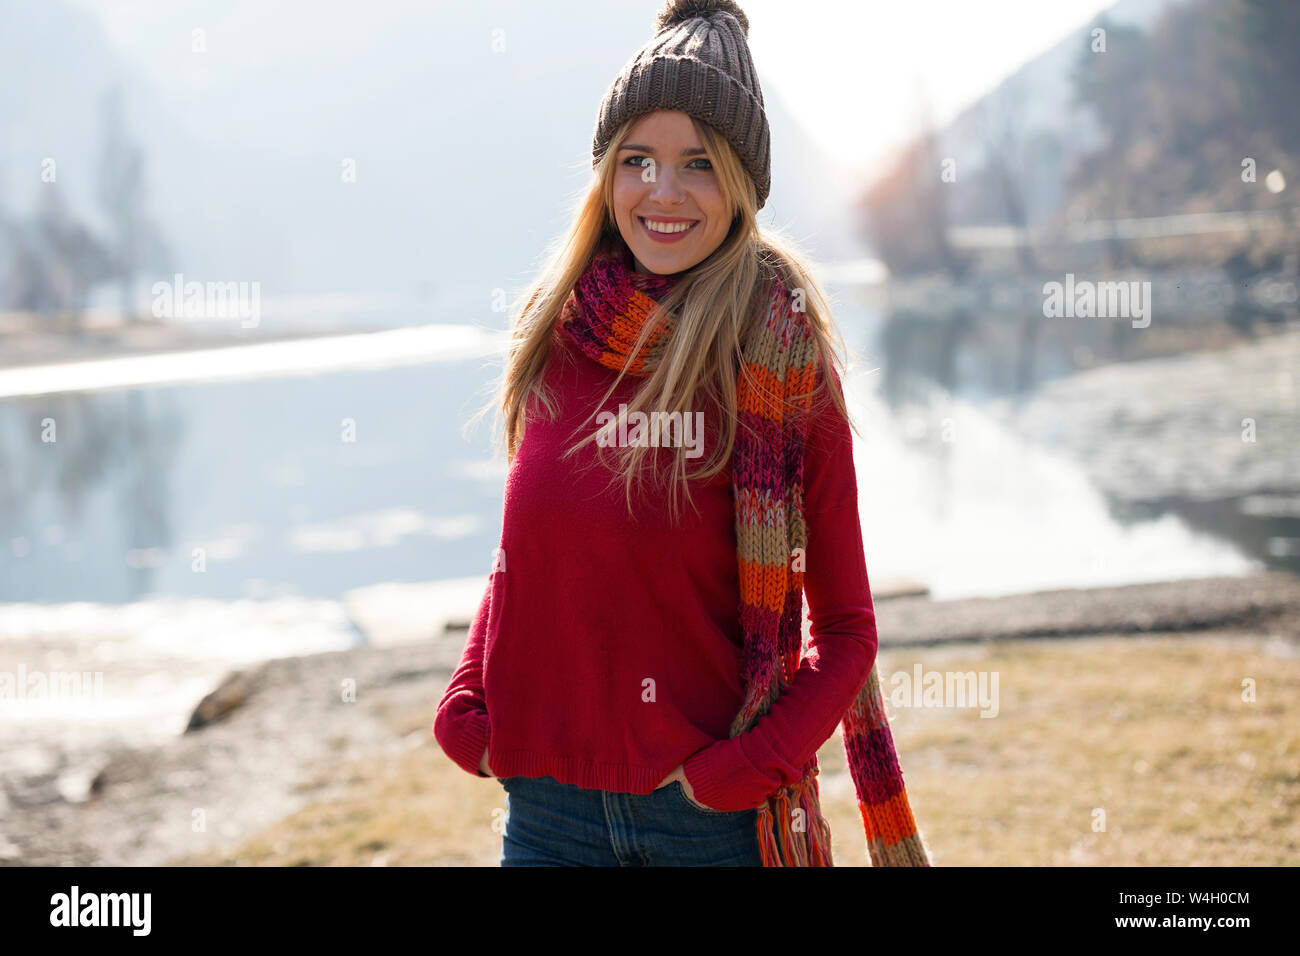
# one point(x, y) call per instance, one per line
point(605, 651)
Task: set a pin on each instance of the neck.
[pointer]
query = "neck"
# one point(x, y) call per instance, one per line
point(634, 263)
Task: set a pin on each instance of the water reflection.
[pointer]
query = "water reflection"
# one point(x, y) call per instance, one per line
point(299, 485)
point(943, 344)
point(79, 472)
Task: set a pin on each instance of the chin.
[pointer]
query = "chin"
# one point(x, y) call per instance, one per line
point(662, 265)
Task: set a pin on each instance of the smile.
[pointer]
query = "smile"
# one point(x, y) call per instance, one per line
point(666, 231)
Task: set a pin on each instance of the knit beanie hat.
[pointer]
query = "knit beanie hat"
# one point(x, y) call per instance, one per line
point(698, 62)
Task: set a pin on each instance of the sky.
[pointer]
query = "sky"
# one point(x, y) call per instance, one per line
point(950, 51)
point(829, 63)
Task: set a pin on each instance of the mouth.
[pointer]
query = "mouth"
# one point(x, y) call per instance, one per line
point(661, 230)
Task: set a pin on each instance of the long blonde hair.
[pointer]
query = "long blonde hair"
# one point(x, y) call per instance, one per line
point(718, 303)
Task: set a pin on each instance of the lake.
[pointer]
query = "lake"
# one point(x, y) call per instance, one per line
point(311, 479)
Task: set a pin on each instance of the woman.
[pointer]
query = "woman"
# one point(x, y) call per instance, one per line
point(619, 664)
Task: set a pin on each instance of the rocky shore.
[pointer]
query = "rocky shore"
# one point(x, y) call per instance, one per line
point(263, 744)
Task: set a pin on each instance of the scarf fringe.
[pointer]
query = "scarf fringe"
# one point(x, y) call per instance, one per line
point(781, 842)
point(892, 835)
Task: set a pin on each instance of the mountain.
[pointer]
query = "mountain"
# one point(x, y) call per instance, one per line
point(1013, 146)
point(468, 127)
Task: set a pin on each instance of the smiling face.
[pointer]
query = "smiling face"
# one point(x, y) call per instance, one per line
point(667, 200)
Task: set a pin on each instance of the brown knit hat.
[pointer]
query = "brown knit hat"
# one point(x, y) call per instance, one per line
point(697, 62)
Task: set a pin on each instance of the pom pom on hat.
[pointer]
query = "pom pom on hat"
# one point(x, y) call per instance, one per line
point(675, 11)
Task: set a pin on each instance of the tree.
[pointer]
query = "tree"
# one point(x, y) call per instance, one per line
point(121, 194)
point(1004, 136)
point(906, 210)
point(72, 258)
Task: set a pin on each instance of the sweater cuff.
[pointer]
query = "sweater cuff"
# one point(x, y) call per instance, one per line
point(721, 777)
point(467, 749)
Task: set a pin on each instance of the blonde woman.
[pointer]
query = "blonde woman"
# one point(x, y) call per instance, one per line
point(680, 475)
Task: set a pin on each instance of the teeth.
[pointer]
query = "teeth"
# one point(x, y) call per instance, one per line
point(667, 226)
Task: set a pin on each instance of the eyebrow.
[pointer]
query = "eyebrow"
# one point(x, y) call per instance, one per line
point(691, 151)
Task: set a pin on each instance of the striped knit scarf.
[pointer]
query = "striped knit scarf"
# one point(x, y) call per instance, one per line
point(604, 316)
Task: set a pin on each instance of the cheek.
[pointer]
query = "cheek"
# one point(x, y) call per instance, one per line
point(626, 195)
point(710, 198)
point(711, 204)
point(719, 221)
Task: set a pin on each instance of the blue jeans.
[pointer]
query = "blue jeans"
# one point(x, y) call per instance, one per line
point(549, 823)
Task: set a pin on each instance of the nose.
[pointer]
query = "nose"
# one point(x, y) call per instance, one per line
point(665, 187)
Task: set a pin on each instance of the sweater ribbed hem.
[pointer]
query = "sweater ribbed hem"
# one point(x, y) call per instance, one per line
point(474, 733)
point(578, 772)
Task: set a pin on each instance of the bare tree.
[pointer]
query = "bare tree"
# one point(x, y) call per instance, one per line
point(121, 194)
point(72, 259)
point(1004, 135)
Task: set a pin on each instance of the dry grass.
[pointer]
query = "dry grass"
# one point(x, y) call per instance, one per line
point(1152, 732)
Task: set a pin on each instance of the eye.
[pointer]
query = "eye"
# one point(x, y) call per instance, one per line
point(631, 161)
